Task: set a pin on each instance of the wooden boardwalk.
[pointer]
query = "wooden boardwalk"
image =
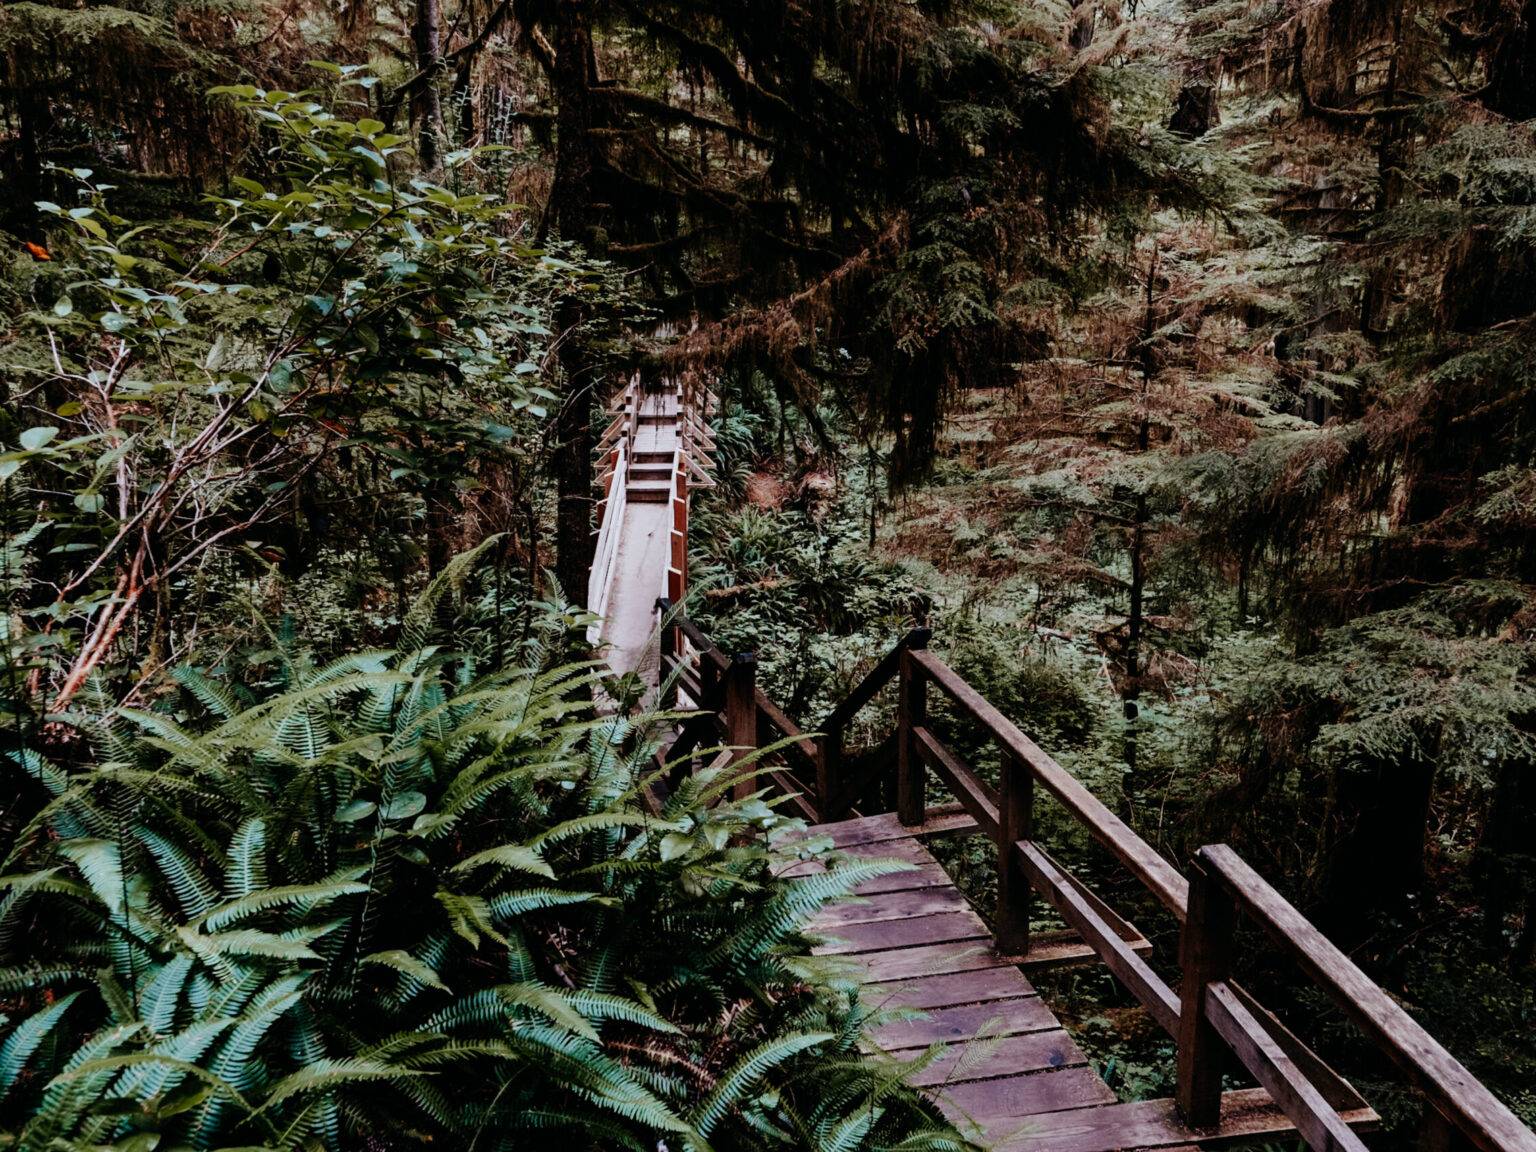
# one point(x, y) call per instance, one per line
point(1005, 1068)
point(654, 450)
point(1007, 1073)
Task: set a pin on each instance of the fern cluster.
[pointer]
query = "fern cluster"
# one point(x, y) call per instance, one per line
point(398, 900)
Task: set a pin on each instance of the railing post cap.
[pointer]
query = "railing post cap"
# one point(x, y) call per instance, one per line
point(919, 637)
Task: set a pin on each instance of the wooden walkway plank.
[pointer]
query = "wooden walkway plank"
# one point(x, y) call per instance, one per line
point(887, 826)
point(930, 960)
point(1012, 1100)
point(903, 904)
point(883, 935)
point(1246, 1115)
point(964, 1022)
point(951, 989)
point(987, 1058)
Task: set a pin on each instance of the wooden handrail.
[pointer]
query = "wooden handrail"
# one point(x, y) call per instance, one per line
point(1449, 1087)
point(877, 678)
point(1161, 878)
point(803, 745)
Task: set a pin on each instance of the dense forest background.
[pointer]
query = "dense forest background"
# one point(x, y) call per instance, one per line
point(1172, 360)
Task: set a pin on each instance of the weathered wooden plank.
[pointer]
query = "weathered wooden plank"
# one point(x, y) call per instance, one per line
point(1316, 1121)
point(909, 850)
point(1000, 1108)
point(916, 876)
point(905, 963)
point(1339, 1092)
point(1206, 947)
point(886, 826)
point(951, 989)
point(1246, 1115)
point(882, 935)
point(988, 1059)
point(1479, 1115)
point(965, 1022)
point(891, 906)
point(904, 851)
point(1060, 949)
point(926, 876)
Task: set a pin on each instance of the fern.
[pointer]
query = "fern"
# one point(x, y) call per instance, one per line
point(731, 1087)
point(26, 1038)
point(389, 897)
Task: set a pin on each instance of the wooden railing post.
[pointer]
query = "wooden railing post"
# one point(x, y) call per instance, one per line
point(709, 685)
point(911, 712)
point(1205, 956)
point(1015, 822)
point(670, 651)
point(829, 764)
point(1438, 1134)
point(741, 714)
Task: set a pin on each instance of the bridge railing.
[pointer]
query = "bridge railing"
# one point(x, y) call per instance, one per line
point(1215, 1023)
point(610, 512)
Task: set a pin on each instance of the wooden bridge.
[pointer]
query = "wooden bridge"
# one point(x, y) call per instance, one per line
point(1026, 1086)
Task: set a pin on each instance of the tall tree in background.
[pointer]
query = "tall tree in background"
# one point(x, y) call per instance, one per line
point(1392, 539)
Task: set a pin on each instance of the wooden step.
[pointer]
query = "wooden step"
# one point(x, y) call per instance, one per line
point(894, 906)
point(950, 989)
point(883, 935)
point(988, 1059)
point(1003, 1107)
point(648, 492)
point(888, 826)
point(643, 456)
point(650, 472)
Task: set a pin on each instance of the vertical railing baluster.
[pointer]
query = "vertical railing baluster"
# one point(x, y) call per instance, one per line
point(1015, 822)
point(829, 764)
point(911, 713)
point(1205, 956)
point(669, 655)
point(741, 715)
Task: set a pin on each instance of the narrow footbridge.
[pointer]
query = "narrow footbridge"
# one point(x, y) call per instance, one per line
point(1006, 1069)
point(652, 455)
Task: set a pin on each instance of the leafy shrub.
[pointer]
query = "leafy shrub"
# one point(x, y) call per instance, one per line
point(334, 352)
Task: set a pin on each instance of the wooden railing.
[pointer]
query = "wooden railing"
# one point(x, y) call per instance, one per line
point(610, 513)
point(1214, 1021)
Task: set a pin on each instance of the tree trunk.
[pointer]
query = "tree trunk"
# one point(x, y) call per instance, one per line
point(1084, 17)
point(570, 212)
point(1377, 862)
point(1196, 111)
point(426, 101)
point(1511, 89)
point(1391, 155)
point(1131, 696)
